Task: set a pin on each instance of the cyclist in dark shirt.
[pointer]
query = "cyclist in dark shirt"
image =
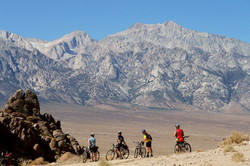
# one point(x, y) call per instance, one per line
point(120, 143)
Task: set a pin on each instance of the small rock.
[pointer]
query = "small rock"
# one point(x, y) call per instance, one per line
point(66, 156)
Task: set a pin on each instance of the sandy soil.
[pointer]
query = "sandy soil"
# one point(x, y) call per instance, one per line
point(206, 130)
point(214, 157)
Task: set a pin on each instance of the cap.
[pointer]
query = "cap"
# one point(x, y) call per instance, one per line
point(177, 125)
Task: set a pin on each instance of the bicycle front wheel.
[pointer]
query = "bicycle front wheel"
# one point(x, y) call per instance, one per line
point(125, 153)
point(188, 147)
point(143, 152)
point(97, 156)
point(177, 149)
point(110, 155)
point(84, 157)
point(136, 153)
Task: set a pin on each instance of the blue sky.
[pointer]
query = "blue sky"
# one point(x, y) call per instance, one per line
point(51, 19)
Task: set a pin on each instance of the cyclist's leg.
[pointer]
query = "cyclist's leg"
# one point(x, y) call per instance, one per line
point(118, 151)
point(147, 149)
point(150, 148)
point(91, 154)
point(95, 154)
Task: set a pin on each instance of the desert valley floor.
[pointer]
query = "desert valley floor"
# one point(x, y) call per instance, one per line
point(206, 130)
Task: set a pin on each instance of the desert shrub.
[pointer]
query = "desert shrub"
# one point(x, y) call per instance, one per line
point(104, 163)
point(235, 138)
point(238, 157)
point(228, 148)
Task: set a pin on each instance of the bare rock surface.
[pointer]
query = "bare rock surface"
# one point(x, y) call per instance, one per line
point(28, 134)
point(150, 65)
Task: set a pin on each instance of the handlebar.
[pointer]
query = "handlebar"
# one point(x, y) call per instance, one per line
point(139, 143)
point(136, 142)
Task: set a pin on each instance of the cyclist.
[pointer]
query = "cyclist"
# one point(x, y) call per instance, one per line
point(120, 143)
point(92, 147)
point(148, 140)
point(179, 134)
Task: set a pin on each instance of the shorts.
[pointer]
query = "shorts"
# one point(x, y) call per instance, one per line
point(118, 146)
point(93, 149)
point(149, 144)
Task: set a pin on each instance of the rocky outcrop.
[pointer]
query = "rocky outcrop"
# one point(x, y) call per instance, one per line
point(27, 133)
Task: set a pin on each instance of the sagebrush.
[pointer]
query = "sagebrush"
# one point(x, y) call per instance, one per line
point(228, 148)
point(235, 138)
point(238, 157)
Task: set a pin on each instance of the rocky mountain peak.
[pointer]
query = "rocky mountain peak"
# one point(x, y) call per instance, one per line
point(13, 39)
point(147, 65)
point(67, 46)
point(75, 39)
point(5, 34)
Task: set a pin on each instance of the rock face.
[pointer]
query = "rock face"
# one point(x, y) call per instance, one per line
point(158, 65)
point(27, 133)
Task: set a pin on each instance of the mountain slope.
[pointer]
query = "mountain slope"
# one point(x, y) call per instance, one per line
point(158, 65)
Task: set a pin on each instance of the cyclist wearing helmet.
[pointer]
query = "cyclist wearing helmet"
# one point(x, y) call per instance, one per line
point(148, 140)
point(120, 143)
point(92, 147)
point(179, 134)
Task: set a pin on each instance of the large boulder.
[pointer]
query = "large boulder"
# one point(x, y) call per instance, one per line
point(25, 103)
point(27, 133)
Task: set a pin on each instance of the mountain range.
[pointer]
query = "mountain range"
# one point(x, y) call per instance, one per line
point(162, 66)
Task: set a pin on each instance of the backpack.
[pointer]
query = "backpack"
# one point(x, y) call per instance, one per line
point(149, 137)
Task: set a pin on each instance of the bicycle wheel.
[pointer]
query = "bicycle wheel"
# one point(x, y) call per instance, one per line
point(187, 147)
point(125, 153)
point(110, 155)
point(84, 157)
point(97, 156)
point(143, 152)
point(136, 152)
point(177, 149)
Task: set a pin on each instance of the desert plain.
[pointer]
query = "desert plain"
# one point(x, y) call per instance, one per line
point(206, 129)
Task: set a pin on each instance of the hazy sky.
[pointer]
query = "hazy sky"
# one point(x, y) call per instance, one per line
point(51, 19)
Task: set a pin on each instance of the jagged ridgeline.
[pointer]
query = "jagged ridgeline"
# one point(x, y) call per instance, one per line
point(157, 66)
point(28, 134)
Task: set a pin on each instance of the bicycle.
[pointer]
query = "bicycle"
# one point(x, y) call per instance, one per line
point(110, 155)
point(7, 158)
point(86, 154)
point(140, 150)
point(182, 146)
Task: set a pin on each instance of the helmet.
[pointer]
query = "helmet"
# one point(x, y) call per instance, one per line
point(119, 132)
point(92, 134)
point(177, 125)
point(143, 131)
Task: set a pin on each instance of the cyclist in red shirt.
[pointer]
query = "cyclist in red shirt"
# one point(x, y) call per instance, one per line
point(179, 134)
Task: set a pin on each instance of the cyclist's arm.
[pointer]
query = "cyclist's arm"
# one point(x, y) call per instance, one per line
point(89, 142)
point(175, 134)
